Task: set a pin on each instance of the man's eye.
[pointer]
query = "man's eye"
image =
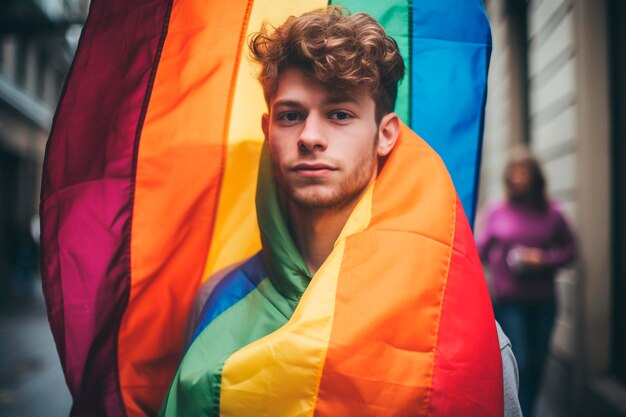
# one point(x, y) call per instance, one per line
point(290, 116)
point(340, 115)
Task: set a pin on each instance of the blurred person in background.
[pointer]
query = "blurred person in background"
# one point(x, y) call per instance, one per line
point(524, 240)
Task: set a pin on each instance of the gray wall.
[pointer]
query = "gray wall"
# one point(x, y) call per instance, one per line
point(548, 87)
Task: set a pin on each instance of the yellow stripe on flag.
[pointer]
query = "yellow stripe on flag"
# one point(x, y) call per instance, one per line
point(236, 234)
point(292, 357)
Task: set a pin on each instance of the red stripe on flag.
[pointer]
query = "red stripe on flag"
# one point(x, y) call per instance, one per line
point(467, 379)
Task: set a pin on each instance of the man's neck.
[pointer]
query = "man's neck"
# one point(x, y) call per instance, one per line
point(316, 230)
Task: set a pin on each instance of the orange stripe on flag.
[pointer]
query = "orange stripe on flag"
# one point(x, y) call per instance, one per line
point(179, 169)
point(389, 294)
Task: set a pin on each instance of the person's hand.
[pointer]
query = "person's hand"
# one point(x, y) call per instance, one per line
point(530, 256)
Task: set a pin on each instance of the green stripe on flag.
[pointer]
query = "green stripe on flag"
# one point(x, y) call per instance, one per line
point(395, 16)
point(196, 386)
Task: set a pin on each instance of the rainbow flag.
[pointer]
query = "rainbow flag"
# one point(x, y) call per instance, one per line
point(151, 167)
point(396, 322)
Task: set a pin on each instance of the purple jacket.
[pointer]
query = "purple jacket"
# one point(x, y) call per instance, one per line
point(505, 227)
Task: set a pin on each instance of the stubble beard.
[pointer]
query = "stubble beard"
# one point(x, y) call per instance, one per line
point(336, 199)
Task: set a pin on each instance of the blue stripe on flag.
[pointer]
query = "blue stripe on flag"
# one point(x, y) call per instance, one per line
point(231, 290)
point(451, 48)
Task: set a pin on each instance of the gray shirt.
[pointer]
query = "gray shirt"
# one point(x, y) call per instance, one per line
point(510, 376)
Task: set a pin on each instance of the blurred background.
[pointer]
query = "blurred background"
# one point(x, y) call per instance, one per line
point(557, 84)
point(38, 39)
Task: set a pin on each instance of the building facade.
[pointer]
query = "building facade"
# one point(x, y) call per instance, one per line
point(558, 84)
point(37, 42)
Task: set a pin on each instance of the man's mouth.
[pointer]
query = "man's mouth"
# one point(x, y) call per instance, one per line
point(314, 170)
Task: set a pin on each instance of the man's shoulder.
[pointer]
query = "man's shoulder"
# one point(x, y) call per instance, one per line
point(219, 280)
point(227, 276)
point(510, 376)
point(502, 337)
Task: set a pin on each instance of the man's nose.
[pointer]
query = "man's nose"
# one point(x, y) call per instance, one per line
point(312, 135)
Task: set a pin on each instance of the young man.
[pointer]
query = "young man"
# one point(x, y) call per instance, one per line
point(367, 298)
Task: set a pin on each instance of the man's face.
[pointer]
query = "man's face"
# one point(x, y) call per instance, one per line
point(322, 142)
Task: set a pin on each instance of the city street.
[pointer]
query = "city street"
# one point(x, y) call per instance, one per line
point(31, 381)
point(155, 147)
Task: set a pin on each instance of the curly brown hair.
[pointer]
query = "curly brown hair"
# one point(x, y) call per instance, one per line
point(345, 51)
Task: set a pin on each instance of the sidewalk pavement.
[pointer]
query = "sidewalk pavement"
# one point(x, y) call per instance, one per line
point(31, 380)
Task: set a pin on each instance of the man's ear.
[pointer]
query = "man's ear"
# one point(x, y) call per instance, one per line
point(388, 131)
point(265, 125)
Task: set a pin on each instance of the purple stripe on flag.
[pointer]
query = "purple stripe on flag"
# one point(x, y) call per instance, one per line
point(87, 191)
